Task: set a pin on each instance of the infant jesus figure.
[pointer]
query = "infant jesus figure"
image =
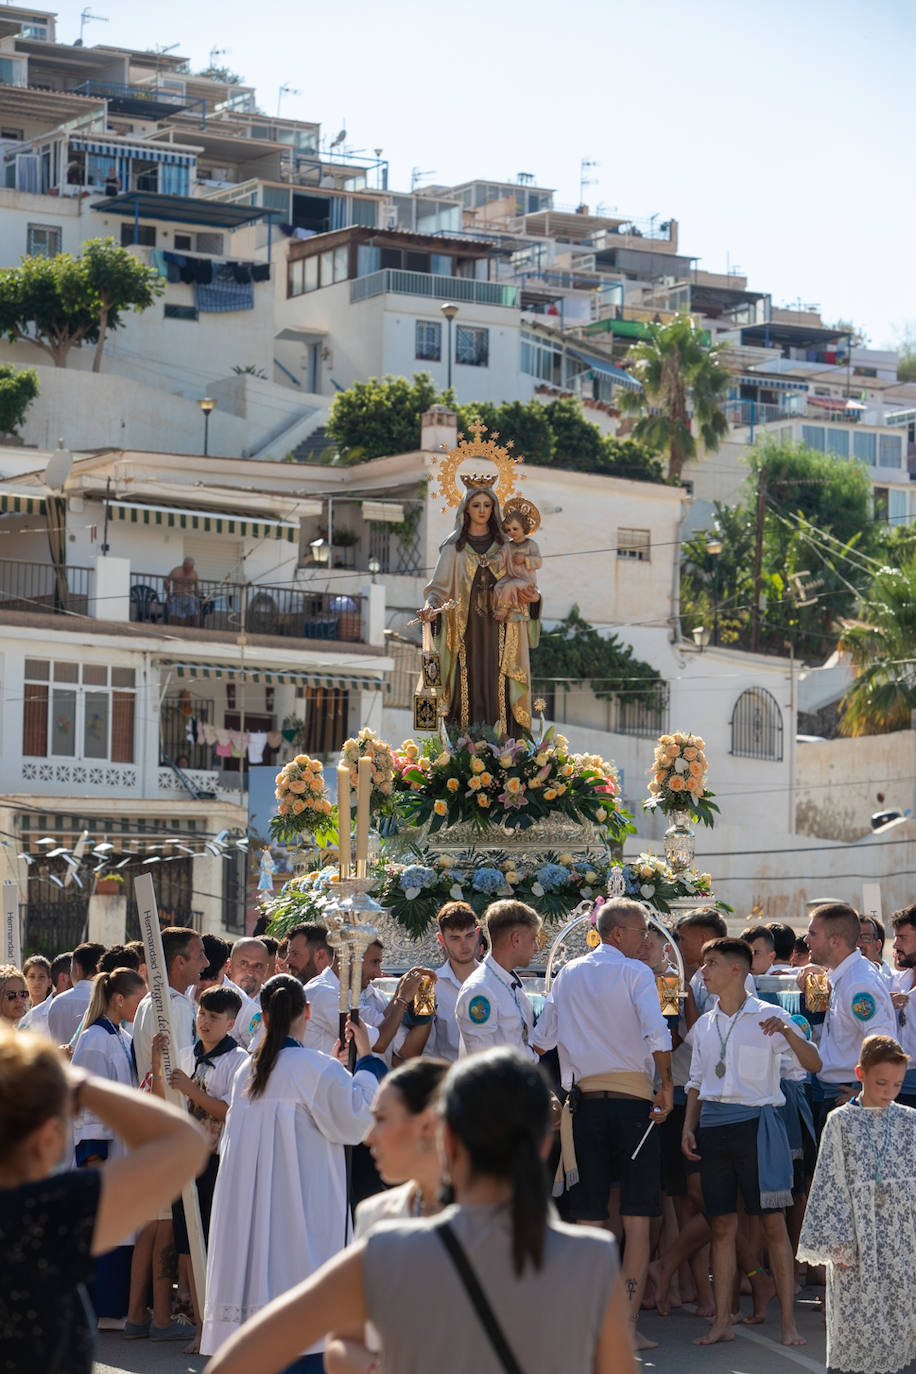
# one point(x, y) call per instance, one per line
point(517, 588)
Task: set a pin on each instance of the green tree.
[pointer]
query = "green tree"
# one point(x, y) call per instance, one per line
point(374, 418)
point(818, 538)
point(18, 388)
point(574, 651)
point(56, 303)
point(882, 647)
point(224, 74)
point(527, 425)
point(680, 372)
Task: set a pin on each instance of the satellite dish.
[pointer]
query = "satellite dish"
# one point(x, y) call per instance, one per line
point(59, 467)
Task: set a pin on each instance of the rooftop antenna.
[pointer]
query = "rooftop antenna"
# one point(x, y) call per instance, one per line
point(214, 54)
point(336, 142)
point(161, 49)
point(416, 176)
point(584, 178)
point(285, 89)
point(87, 17)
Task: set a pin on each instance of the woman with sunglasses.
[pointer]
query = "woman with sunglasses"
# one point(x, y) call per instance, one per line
point(14, 995)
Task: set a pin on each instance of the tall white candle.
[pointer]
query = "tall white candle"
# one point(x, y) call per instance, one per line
point(343, 818)
point(362, 816)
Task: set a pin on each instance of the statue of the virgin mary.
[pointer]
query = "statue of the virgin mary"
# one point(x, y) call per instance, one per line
point(486, 673)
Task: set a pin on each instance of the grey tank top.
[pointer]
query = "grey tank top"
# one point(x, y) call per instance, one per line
point(418, 1303)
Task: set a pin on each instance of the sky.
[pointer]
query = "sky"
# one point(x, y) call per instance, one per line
point(779, 135)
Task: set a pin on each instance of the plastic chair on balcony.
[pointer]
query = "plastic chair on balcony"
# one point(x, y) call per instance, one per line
point(262, 615)
point(145, 604)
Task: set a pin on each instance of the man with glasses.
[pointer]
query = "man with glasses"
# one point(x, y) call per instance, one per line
point(871, 943)
point(604, 1017)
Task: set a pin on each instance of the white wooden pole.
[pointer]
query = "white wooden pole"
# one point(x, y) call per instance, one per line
point(12, 941)
point(158, 980)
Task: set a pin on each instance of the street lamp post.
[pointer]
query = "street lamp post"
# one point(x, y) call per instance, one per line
point(714, 547)
point(449, 311)
point(207, 404)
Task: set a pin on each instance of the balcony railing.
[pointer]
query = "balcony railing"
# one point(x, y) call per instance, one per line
point(392, 279)
point(285, 611)
point(36, 587)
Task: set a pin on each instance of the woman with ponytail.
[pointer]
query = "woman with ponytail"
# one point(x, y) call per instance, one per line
point(280, 1206)
point(518, 1260)
point(104, 1049)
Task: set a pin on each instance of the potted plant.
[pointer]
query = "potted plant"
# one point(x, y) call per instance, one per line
point(109, 885)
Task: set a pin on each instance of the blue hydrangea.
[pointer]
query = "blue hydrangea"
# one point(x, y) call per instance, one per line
point(552, 876)
point(416, 875)
point(487, 880)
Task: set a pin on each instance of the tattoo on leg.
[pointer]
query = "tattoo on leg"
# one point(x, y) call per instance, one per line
point(631, 1288)
point(168, 1262)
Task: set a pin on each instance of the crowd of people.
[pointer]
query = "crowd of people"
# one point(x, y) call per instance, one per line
point(721, 1152)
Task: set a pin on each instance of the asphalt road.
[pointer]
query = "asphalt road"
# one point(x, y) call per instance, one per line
point(755, 1350)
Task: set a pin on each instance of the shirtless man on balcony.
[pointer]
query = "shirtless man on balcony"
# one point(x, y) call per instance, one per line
point(182, 590)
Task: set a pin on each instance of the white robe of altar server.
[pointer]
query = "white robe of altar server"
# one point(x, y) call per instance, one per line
point(104, 1050)
point(280, 1207)
point(870, 1225)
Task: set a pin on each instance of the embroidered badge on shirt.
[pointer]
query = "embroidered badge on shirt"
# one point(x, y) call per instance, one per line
point(804, 1025)
point(479, 1010)
point(863, 1006)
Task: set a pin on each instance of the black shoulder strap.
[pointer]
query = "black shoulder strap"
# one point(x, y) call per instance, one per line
point(478, 1298)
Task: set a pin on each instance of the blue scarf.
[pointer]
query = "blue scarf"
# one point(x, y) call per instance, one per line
point(774, 1157)
point(797, 1116)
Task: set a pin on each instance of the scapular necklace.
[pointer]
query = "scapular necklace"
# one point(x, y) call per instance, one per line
point(879, 1158)
point(723, 1044)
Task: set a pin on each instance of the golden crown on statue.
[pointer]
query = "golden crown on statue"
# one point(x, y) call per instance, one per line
point(503, 483)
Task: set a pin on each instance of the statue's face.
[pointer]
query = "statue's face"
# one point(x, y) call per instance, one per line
point(515, 529)
point(479, 509)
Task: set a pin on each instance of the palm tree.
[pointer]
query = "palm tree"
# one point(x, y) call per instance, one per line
point(883, 654)
point(679, 371)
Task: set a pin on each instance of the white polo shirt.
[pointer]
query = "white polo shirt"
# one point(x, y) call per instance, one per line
point(752, 1060)
point(493, 1009)
point(905, 981)
point(860, 1005)
point(183, 1026)
point(443, 1039)
point(576, 1017)
point(323, 994)
point(67, 1010)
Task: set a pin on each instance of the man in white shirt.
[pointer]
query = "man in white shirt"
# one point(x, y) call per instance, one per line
point(872, 936)
point(608, 1066)
point(860, 1002)
point(249, 968)
point(902, 984)
point(185, 961)
point(68, 1009)
point(492, 1008)
point(459, 936)
point(742, 1142)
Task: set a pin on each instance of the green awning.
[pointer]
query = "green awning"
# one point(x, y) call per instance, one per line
point(275, 676)
point(21, 503)
point(205, 521)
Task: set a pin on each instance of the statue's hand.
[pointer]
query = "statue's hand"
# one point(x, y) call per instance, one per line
point(426, 613)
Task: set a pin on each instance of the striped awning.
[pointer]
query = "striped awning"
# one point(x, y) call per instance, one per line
point(145, 152)
point(771, 383)
point(274, 676)
point(20, 502)
point(606, 369)
point(204, 521)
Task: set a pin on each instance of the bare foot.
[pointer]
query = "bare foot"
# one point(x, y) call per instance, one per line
point(193, 1348)
point(719, 1331)
point(641, 1342)
point(764, 1290)
point(790, 1336)
point(706, 1310)
point(660, 1289)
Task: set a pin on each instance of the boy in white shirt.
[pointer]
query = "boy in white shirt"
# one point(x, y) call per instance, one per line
point(742, 1142)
